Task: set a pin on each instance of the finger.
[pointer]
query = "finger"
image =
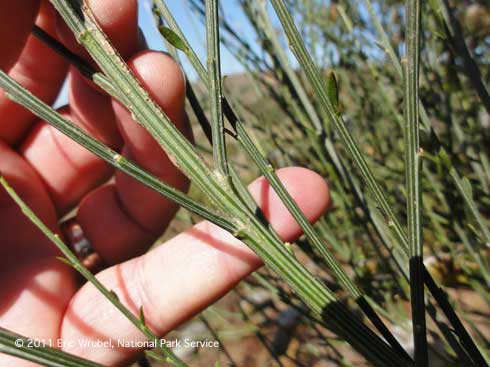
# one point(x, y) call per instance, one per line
point(21, 240)
point(34, 286)
point(67, 169)
point(184, 275)
point(16, 19)
point(39, 69)
point(119, 21)
point(33, 297)
point(136, 213)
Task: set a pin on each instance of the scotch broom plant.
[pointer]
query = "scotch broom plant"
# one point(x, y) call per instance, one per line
point(337, 106)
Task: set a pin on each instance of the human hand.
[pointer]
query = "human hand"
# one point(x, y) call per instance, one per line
point(40, 297)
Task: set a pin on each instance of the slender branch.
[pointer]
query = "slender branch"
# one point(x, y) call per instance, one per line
point(394, 59)
point(215, 91)
point(412, 174)
point(315, 239)
point(464, 188)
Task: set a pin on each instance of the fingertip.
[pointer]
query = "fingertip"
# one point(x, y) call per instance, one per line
point(164, 80)
point(308, 189)
point(93, 109)
point(118, 19)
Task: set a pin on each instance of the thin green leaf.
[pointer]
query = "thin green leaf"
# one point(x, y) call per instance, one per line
point(142, 315)
point(173, 38)
point(65, 261)
point(114, 294)
point(333, 89)
point(466, 187)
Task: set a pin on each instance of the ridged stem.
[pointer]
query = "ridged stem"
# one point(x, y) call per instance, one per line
point(412, 174)
point(215, 91)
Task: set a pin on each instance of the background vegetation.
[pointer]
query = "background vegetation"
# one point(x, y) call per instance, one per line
point(363, 42)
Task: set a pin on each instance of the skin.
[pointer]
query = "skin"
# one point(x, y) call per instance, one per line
point(41, 297)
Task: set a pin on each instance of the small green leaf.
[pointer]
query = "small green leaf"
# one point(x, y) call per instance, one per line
point(444, 157)
point(142, 316)
point(223, 80)
point(114, 294)
point(380, 45)
point(435, 6)
point(64, 260)
point(347, 21)
point(173, 38)
point(466, 186)
point(333, 90)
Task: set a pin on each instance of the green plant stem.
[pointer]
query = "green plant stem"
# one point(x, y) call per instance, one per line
point(412, 174)
point(267, 169)
point(215, 91)
point(384, 37)
point(284, 62)
point(78, 266)
point(45, 355)
point(438, 293)
point(315, 239)
point(278, 53)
